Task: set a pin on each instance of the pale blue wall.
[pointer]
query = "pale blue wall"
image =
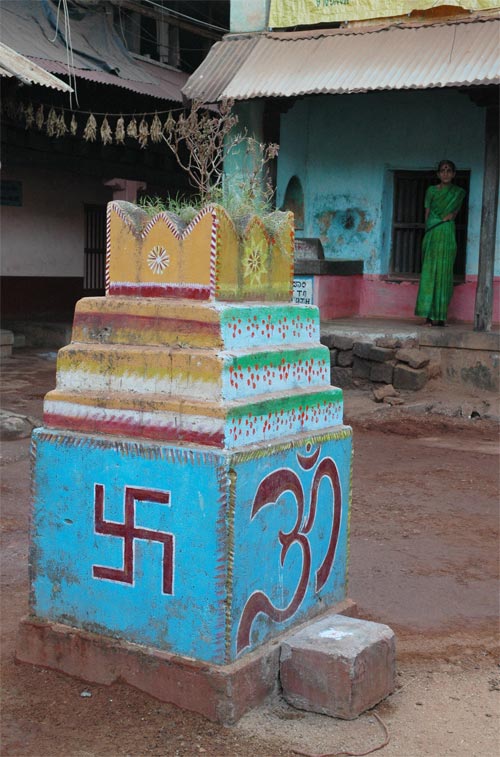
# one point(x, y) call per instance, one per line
point(344, 147)
point(249, 15)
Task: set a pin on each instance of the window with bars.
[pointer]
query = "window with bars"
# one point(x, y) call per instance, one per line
point(408, 222)
point(95, 250)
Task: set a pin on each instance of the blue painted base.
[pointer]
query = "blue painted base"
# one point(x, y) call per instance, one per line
point(197, 552)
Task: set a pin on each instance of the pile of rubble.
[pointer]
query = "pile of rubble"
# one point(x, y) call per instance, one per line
point(386, 362)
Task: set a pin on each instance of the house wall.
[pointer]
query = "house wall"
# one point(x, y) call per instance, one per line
point(45, 237)
point(249, 16)
point(344, 149)
point(42, 242)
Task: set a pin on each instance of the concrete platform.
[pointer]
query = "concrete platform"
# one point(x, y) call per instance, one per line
point(222, 693)
point(6, 342)
point(46, 334)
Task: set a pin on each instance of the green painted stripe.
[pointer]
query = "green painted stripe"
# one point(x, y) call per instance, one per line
point(276, 358)
point(287, 403)
point(304, 312)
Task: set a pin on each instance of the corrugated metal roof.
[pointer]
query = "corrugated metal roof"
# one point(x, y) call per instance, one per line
point(32, 28)
point(288, 64)
point(166, 86)
point(13, 64)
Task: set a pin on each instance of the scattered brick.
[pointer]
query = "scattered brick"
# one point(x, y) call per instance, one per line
point(409, 378)
point(394, 401)
point(344, 358)
point(362, 349)
point(341, 377)
point(372, 352)
point(381, 392)
point(390, 342)
point(338, 666)
point(343, 342)
point(327, 340)
point(361, 368)
point(382, 372)
point(381, 354)
point(415, 358)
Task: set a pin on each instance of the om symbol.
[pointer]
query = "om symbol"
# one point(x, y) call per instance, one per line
point(269, 491)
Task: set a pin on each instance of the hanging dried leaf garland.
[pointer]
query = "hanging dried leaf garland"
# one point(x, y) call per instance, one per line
point(29, 116)
point(106, 133)
point(132, 129)
point(51, 122)
point(39, 118)
point(61, 128)
point(90, 131)
point(143, 133)
point(156, 129)
point(169, 123)
point(55, 124)
point(10, 108)
point(120, 131)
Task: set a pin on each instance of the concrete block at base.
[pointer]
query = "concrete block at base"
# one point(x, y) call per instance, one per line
point(222, 693)
point(338, 666)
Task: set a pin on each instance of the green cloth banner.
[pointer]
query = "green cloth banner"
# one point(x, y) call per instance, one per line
point(284, 13)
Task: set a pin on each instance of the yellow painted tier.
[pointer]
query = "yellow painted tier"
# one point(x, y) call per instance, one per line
point(208, 259)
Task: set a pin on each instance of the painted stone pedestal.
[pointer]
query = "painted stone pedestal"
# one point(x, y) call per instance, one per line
point(191, 482)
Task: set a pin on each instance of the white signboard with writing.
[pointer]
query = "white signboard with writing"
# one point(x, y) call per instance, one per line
point(303, 290)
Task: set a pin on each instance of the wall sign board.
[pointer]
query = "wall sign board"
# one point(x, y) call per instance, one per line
point(303, 290)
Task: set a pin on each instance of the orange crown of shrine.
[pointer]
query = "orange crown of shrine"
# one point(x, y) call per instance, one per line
point(206, 260)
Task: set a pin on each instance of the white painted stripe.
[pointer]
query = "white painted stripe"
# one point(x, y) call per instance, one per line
point(163, 419)
point(160, 284)
point(82, 380)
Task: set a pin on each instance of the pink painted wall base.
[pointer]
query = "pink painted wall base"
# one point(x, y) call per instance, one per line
point(377, 296)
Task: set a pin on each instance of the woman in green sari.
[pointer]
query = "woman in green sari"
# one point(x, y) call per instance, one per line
point(439, 246)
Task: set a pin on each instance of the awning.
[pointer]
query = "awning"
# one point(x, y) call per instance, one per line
point(34, 29)
point(166, 84)
point(340, 61)
point(14, 65)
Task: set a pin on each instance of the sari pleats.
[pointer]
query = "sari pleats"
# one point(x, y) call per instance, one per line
point(439, 249)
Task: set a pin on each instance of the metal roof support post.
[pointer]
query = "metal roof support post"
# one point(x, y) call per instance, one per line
point(483, 309)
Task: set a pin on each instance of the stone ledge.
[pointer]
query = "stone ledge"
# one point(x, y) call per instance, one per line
point(488, 341)
point(6, 338)
point(328, 267)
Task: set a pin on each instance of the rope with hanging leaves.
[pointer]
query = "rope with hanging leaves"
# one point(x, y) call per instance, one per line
point(113, 128)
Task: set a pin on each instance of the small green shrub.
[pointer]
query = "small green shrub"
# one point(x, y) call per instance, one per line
point(200, 141)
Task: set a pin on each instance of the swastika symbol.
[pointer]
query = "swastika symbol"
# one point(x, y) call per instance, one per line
point(128, 531)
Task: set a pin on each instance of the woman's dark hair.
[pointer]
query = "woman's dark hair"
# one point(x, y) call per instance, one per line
point(446, 162)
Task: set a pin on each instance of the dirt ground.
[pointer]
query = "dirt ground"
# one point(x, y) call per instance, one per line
point(424, 560)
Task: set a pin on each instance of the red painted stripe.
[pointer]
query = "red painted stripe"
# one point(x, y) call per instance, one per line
point(159, 290)
point(139, 322)
point(131, 429)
